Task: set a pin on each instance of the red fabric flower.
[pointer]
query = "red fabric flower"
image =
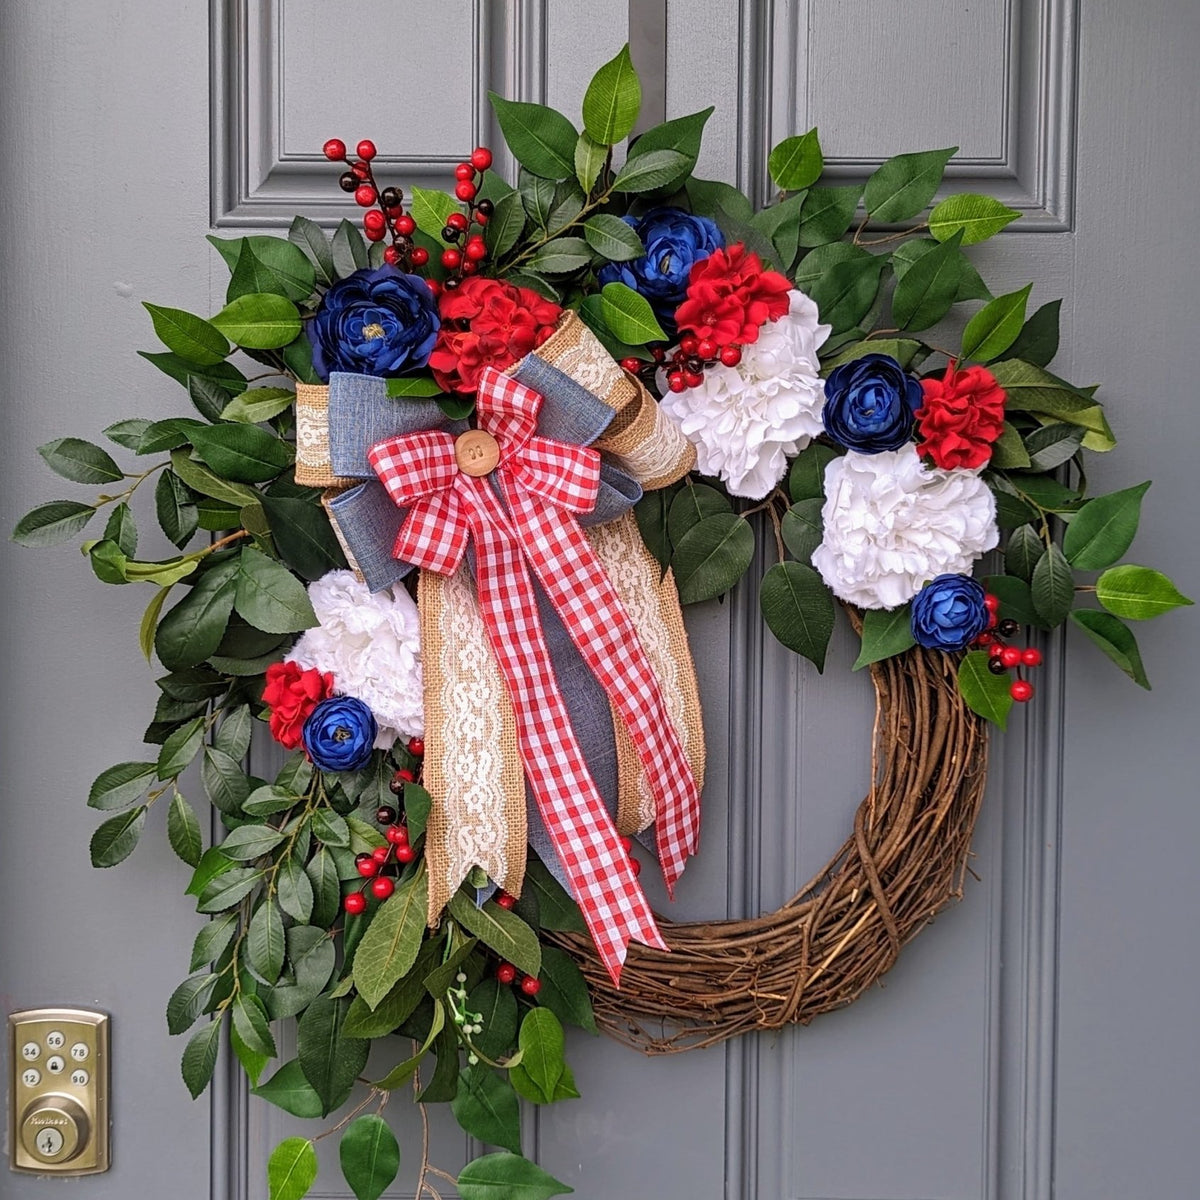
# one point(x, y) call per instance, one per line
point(731, 296)
point(292, 694)
point(487, 323)
point(962, 416)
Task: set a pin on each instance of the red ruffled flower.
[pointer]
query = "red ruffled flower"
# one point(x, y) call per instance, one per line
point(487, 323)
point(292, 694)
point(962, 416)
point(731, 296)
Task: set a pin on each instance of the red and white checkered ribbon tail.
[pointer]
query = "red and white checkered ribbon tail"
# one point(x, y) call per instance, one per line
point(598, 868)
point(599, 624)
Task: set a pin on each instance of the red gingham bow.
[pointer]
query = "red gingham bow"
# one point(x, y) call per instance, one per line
point(543, 484)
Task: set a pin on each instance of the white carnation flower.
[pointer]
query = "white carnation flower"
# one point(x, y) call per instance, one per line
point(891, 525)
point(746, 421)
point(372, 645)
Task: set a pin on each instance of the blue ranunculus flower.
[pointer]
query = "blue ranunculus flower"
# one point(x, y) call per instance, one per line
point(674, 241)
point(379, 322)
point(949, 613)
point(870, 404)
point(340, 734)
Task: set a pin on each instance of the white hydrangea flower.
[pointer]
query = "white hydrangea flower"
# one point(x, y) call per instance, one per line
point(891, 525)
point(745, 421)
point(372, 645)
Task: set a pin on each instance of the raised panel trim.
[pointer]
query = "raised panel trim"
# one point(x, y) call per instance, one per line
point(256, 185)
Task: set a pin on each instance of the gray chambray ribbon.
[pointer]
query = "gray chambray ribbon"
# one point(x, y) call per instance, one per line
point(361, 414)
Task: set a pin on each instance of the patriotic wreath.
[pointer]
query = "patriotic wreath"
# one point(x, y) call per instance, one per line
point(439, 541)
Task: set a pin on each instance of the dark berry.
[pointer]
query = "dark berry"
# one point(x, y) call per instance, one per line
point(485, 208)
point(348, 181)
point(385, 815)
point(449, 233)
point(390, 197)
point(1008, 628)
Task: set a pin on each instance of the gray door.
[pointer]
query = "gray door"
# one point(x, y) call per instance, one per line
point(1040, 1040)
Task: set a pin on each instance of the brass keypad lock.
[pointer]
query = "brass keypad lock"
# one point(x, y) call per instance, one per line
point(58, 1095)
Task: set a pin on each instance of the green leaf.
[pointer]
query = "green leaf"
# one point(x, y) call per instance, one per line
point(258, 404)
point(712, 556)
point(400, 1003)
point(80, 461)
point(264, 801)
point(827, 213)
point(612, 100)
point(651, 170)
point(311, 239)
point(303, 536)
point(228, 888)
point(486, 1107)
point(331, 1062)
point(561, 256)
point(200, 1057)
point(970, 285)
point(806, 479)
point(802, 528)
point(542, 140)
point(692, 503)
point(1052, 586)
point(243, 453)
point(233, 733)
point(824, 258)
point(1115, 639)
point(149, 623)
point(1138, 593)
point(50, 524)
point(224, 375)
point(683, 134)
point(1029, 388)
point(421, 386)
point(265, 943)
point(259, 321)
point(128, 433)
point(924, 295)
point(797, 162)
point(985, 694)
point(1022, 552)
point(330, 829)
point(885, 633)
point(183, 830)
point(270, 265)
point(114, 840)
point(200, 479)
point(389, 947)
point(995, 327)
point(1008, 451)
point(629, 315)
point(542, 1064)
point(370, 1156)
point(224, 781)
point(312, 957)
point(430, 208)
point(212, 940)
point(500, 930)
point(505, 1176)
point(295, 890)
point(1037, 343)
point(779, 223)
point(248, 842)
point(417, 805)
point(193, 629)
point(978, 217)
point(610, 236)
point(120, 785)
point(504, 228)
point(189, 1000)
point(180, 748)
point(269, 596)
point(253, 1062)
point(556, 909)
point(348, 249)
point(1104, 528)
point(289, 1090)
point(250, 1022)
point(1016, 599)
point(798, 610)
point(292, 1169)
point(175, 508)
point(1052, 445)
point(844, 294)
point(189, 336)
point(564, 991)
point(498, 1008)
point(901, 187)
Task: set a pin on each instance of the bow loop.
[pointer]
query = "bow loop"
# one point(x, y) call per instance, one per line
point(415, 465)
point(565, 476)
point(508, 410)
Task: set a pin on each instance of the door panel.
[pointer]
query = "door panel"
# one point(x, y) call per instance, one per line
point(1041, 1031)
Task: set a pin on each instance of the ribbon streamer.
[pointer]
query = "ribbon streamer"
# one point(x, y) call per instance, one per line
point(545, 484)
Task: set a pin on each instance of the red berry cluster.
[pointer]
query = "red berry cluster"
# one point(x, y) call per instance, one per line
point(389, 217)
point(377, 866)
point(507, 973)
point(467, 258)
point(685, 368)
point(1003, 657)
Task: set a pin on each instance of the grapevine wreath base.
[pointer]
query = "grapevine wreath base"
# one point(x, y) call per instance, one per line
point(843, 930)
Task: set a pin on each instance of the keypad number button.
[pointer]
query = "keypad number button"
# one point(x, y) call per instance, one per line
point(55, 1064)
point(55, 1040)
point(79, 1051)
point(79, 1077)
point(31, 1077)
point(31, 1052)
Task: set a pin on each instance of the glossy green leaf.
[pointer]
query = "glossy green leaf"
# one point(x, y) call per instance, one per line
point(174, 505)
point(995, 327)
point(331, 1062)
point(542, 140)
point(827, 213)
point(80, 461)
point(615, 239)
point(556, 909)
point(312, 957)
point(902, 186)
point(1138, 593)
point(1115, 639)
point(885, 633)
point(189, 1000)
point(243, 453)
point(1052, 586)
point(1052, 445)
point(561, 256)
point(224, 375)
point(690, 505)
point(193, 629)
point(977, 217)
point(266, 946)
point(289, 1090)
point(564, 990)
point(542, 1045)
point(389, 947)
point(985, 694)
point(1104, 528)
point(248, 842)
point(115, 839)
point(806, 478)
point(212, 940)
point(797, 162)
point(802, 528)
point(370, 1156)
point(224, 781)
point(183, 830)
point(303, 536)
point(629, 315)
point(504, 228)
point(291, 1169)
point(1008, 451)
point(798, 610)
point(712, 556)
point(1029, 388)
point(120, 785)
point(486, 1107)
point(1022, 552)
point(651, 170)
point(250, 1022)
point(612, 100)
point(52, 523)
point(504, 1176)
point(269, 596)
point(200, 479)
point(1037, 343)
point(311, 239)
point(500, 930)
point(259, 321)
point(927, 289)
point(400, 1003)
point(189, 336)
point(227, 888)
point(844, 294)
point(258, 404)
point(400, 1074)
point(128, 433)
point(270, 265)
point(430, 208)
point(200, 1057)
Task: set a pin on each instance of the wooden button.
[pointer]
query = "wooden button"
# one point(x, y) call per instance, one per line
point(476, 452)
